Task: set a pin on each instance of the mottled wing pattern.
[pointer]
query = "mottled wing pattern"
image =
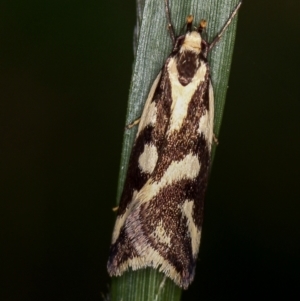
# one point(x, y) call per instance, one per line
point(142, 162)
point(161, 209)
point(160, 214)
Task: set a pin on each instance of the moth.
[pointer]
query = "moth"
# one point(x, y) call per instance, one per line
point(160, 214)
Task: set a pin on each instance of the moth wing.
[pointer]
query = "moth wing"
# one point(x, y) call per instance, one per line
point(165, 223)
point(160, 214)
point(142, 161)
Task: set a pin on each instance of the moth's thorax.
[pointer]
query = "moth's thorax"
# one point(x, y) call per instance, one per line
point(192, 42)
point(188, 59)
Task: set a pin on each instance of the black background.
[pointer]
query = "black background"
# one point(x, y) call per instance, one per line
point(65, 69)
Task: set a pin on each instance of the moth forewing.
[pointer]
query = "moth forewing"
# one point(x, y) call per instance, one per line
point(160, 215)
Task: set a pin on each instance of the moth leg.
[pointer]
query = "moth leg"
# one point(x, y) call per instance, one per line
point(170, 26)
point(218, 37)
point(132, 124)
point(215, 139)
point(115, 209)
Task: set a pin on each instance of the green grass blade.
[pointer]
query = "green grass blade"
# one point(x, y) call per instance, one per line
point(153, 45)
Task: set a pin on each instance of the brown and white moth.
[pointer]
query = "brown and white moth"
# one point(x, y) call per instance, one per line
point(160, 215)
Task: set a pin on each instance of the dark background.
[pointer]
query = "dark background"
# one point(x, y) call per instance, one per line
point(65, 70)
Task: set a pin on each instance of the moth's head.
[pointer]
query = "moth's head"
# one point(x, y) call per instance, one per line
point(192, 40)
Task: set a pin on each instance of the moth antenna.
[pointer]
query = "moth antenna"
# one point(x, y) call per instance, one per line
point(218, 37)
point(170, 26)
